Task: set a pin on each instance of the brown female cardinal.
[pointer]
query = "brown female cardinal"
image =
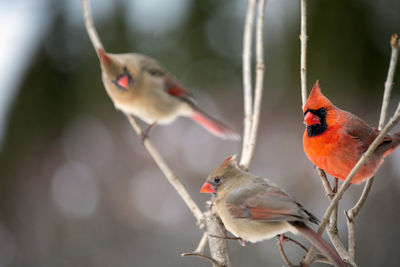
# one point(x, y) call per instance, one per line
point(254, 208)
point(140, 86)
point(334, 139)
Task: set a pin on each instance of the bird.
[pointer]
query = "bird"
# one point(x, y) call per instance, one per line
point(254, 208)
point(138, 85)
point(334, 140)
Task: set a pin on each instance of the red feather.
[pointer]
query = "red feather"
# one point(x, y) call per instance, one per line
point(175, 89)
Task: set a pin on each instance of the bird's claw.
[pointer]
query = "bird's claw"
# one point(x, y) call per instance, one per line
point(282, 238)
point(143, 136)
point(242, 242)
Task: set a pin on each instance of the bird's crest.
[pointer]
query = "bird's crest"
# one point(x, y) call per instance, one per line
point(316, 99)
point(231, 160)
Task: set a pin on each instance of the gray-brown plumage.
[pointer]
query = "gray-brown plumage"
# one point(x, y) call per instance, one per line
point(138, 85)
point(255, 209)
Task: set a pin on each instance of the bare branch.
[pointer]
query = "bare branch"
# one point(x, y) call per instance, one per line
point(247, 84)
point(94, 38)
point(303, 52)
point(213, 261)
point(346, 183)
point(202, 244)
point(325, 182)
point(172, 178)
point(353, 212)
point(322, 258)
point(282, 251)
point(218, 246)
point(296, 242)
point(333, 233)
point(395, 43)
point(249, 149)
point(332, 228)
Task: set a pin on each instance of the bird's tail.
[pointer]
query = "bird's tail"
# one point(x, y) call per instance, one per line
point(319, 243)
point(214, 126)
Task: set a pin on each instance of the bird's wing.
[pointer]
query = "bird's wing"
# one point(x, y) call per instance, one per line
point(173, 88)
point(361, 131)
point(266, 203)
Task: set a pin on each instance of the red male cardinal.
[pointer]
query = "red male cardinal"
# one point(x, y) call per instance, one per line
point(139, 85)
point(334, 139)
point(254, 208)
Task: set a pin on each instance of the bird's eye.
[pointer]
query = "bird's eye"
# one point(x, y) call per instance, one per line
point(322, 111)
point(217, 180)
point(156, 72)
point(124, 80)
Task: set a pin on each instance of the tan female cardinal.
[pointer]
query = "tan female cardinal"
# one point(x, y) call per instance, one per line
point(334, 139)
point(254, 208)
point(140, 86)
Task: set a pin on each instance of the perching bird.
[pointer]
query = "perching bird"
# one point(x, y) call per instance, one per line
point(334, 139)
point(254, 208)
point(138, 85)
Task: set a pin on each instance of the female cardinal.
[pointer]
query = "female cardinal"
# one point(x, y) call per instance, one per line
point(254, 208)
point(139, 85)
point(334, 139)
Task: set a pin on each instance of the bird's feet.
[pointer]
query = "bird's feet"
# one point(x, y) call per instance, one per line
point(282, 238)
point(145, 134)
point(242, 242)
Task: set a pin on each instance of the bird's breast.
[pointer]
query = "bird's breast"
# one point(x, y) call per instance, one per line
point(252, 230)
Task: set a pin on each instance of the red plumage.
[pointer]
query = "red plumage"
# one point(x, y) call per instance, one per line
point(334, 139)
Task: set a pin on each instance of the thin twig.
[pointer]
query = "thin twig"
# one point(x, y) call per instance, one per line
point(392, 122)
point(333, 234)
point(325, 182)
point(249, 149)
point(282, 251)
point(172, 178)
point(94, 38)
point(247, 84)
point(353, 212)
point(332, 227)
point(213, 261)
point(202, 244)
point(227, 237)
point(394, 43)
point(303, 51)
point(322, 258)
point(296, 242)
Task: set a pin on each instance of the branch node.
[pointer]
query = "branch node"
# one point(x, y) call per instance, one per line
point(394, 41)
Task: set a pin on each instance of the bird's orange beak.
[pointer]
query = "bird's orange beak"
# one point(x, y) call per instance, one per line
point(311, 119)
point(207, 188)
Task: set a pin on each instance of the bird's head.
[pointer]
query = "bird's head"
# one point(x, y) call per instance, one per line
point(126, 74)
point(317, 112)
point(223, 176)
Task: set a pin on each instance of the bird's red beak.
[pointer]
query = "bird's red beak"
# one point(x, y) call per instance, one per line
point(207, 188)
point(311, 119)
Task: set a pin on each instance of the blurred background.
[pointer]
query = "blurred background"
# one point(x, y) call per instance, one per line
point(77, 187)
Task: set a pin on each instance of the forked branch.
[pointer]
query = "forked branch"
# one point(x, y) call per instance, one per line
point(353, 212)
